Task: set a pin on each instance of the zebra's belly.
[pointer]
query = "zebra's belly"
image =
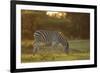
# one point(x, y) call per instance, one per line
point(50, 44)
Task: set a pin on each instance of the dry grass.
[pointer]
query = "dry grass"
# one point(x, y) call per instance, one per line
point(78, 50)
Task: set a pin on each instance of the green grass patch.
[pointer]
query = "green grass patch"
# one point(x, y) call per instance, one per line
point(78, 50)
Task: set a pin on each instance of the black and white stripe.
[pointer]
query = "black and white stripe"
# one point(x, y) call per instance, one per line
point(49, 38)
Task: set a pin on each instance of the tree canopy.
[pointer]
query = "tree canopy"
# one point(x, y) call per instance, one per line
point(72, 24)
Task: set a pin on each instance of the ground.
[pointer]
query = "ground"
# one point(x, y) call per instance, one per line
point(78, 50)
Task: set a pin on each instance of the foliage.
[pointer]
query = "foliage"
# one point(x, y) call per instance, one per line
point(73, 26)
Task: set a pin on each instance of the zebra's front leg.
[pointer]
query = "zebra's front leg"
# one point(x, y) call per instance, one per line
point(66, 49)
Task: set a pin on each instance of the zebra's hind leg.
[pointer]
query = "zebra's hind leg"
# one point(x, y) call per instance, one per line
point(35, 49)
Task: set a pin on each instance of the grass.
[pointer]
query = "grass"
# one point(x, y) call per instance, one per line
point(78, 50)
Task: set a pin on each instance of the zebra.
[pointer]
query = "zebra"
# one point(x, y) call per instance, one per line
point(49, 38)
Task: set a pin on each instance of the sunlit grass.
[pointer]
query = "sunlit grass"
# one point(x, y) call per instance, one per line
point(54, 57)
point(78, 50)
